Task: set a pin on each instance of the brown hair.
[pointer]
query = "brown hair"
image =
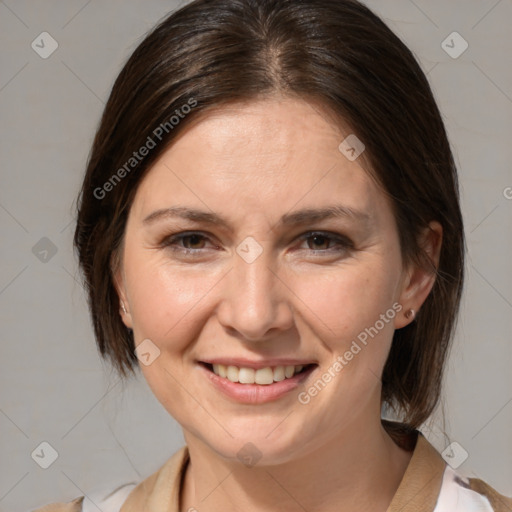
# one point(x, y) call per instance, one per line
point(213, 52)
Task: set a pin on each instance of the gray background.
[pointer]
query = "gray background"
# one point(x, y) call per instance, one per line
point(54, 387)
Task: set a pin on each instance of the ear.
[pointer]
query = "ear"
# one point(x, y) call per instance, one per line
point(120, 286)
point(419, 279)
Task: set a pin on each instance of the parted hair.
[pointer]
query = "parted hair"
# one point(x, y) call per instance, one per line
point(210, 53)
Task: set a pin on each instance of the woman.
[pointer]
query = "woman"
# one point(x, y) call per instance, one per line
point(269, 227)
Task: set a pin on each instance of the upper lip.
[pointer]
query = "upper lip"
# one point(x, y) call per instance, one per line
point(256, 365)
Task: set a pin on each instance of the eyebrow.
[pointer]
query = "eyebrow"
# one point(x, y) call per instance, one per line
point(304, 216)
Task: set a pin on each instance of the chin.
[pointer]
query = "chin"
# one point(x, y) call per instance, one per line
point(256, 448)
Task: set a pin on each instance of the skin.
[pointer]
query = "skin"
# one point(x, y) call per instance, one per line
point(252, 163)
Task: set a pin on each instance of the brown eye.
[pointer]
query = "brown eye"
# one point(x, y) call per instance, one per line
point(327, 243)
point(193, 240)
point(318, 242)
point(186, 242)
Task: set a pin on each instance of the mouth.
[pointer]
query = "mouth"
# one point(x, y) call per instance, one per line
point(258, 385)
point(265, 376)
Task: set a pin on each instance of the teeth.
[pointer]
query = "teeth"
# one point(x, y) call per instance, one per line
point(246, 376)
point(279, 373)
point(266, 375)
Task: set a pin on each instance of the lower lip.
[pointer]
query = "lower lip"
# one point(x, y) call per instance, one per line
point(256, 393)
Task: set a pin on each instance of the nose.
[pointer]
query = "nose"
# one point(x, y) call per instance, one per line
point(255, 300)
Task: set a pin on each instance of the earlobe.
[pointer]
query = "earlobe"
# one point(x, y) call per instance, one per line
point(410, 314)
point(420, 278)
point(119, 286)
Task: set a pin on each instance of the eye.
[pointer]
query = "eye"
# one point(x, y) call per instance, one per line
point(193, 243)
point(187, 242)
point(320, 242)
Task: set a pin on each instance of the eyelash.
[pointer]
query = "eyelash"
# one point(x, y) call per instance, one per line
point(345, 244)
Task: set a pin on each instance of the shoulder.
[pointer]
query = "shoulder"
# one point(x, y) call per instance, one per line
point(429, 483)
point(72, 506)
point(162, 486)
point(107, 500)
point(461, 493)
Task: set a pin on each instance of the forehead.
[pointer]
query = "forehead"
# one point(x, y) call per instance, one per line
point(279, 128)
point(273, 153)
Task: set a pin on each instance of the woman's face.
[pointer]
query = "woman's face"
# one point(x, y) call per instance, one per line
point(249, 269)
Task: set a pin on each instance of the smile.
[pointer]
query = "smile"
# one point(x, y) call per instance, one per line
point(263, 376)
point(255, 385)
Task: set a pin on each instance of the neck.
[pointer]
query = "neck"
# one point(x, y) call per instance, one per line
point(359, 469)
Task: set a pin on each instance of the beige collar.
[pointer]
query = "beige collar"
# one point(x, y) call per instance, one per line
point(420, 486)
point(418, 490)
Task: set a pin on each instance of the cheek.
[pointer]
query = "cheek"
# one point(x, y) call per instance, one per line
point(165, 301)
point(344, 305)
point(170, 304)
